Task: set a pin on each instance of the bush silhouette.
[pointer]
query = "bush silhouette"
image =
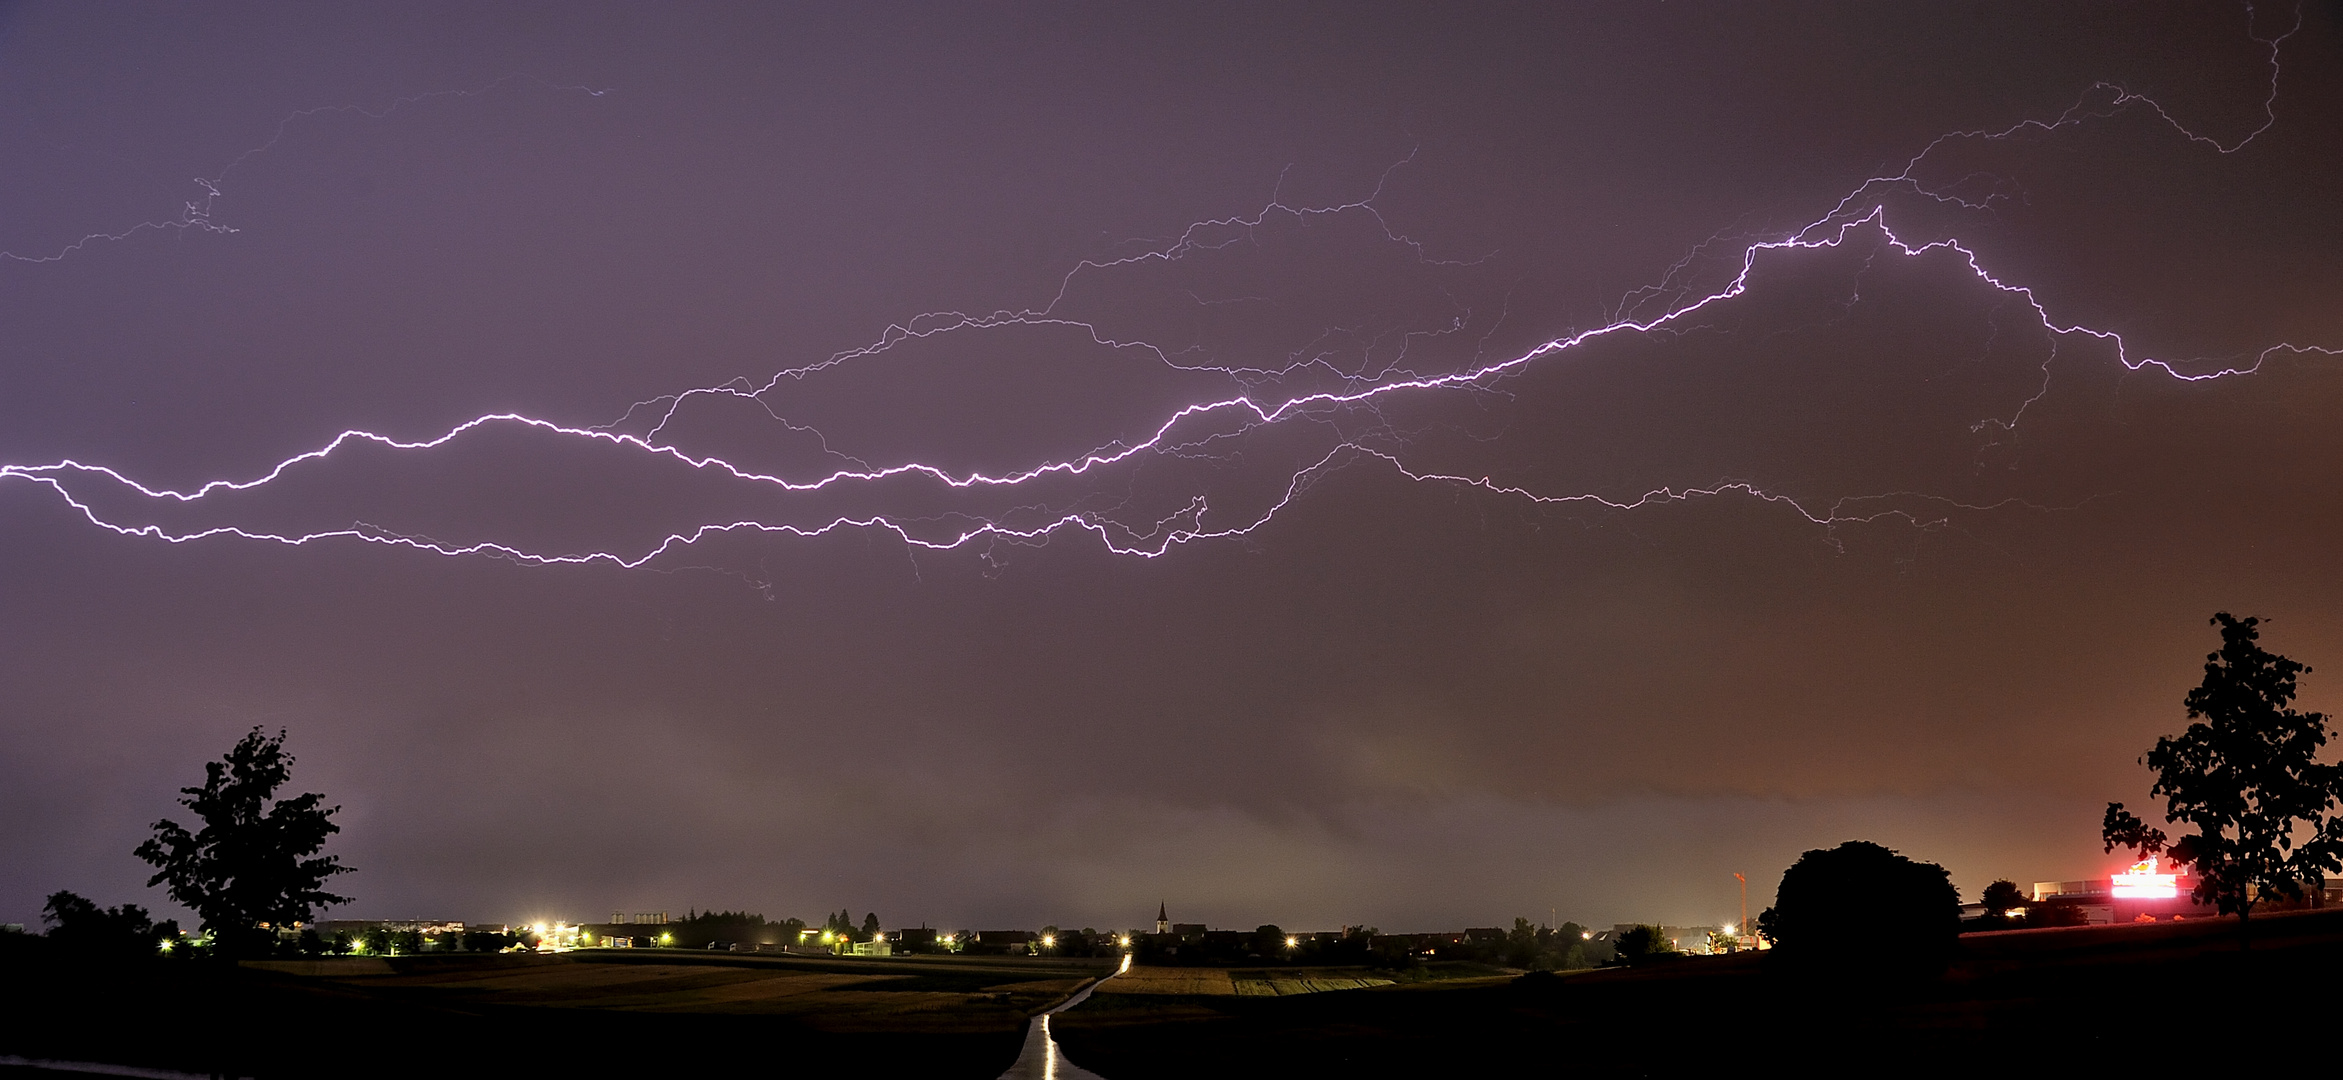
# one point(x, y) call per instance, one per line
point(1861, 910)
point(1646, 944)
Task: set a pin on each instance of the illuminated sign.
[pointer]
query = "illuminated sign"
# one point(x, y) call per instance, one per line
point(2142, 882)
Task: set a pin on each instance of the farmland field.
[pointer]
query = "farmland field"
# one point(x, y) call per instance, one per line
point(1210, 982)
point(648, 1012)
point(2064, 1001)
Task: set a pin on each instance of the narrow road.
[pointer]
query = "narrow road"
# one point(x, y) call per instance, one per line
point(1041, 1059)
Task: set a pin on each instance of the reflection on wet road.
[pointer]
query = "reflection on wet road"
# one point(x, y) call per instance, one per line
point(1041, 1059)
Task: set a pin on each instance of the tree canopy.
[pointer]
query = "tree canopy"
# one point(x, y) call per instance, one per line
point(254, 864)
point(1863, 907)
point(2247, 778)
point(2001, 896)
point(78, 924)
point(1644, 943)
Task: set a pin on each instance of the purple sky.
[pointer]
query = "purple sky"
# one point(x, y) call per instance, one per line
point(1950, 579)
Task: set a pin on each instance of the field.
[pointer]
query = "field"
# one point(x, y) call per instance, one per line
point(650, 1012)
point(2085, 1001)
point(2081, 1001)
point(908, 995)
point(1223, 982)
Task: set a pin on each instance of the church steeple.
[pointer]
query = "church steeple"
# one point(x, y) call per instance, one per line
point(1162, 919)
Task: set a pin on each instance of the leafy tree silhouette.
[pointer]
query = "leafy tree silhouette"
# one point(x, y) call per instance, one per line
point(1862, 909)
point(80, 925)
point(1645, 943)
point(2247, 777)
point(254, 865)
point(2001, 896)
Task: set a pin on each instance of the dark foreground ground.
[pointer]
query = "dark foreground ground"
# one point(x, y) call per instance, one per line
point(2095, 1001)
point(649, 1013)
point(2101, 1001)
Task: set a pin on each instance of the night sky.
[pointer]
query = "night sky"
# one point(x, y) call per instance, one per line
point(1420, 627)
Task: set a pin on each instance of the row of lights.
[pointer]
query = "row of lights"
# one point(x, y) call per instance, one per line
point(1048, 941)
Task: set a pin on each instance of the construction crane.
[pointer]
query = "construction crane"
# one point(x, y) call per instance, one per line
point(1743, 931)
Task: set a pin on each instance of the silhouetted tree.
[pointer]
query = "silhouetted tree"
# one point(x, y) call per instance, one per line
point(1525, 945)
point(384, 941)
point(1860, 908)
point(254, 864)
point(1569, 945)
point(1645, 943)
point(700, 929)
point(77, 924)
point(2001, 896)
point(2246, 776)
point(870, 925)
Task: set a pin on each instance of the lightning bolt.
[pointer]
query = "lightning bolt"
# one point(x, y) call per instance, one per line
point(197, 214)
point(1094, 492)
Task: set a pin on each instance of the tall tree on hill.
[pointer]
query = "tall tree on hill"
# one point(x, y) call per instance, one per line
point(2246, 775)
point(254, 865)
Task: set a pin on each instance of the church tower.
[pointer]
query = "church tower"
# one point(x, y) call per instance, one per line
point(1162, 919)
